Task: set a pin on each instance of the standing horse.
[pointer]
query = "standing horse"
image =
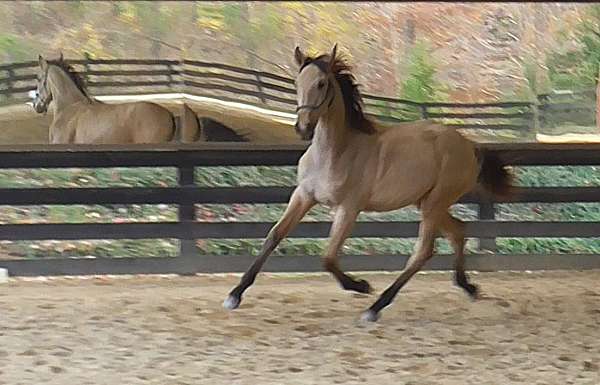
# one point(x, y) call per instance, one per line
point(79, 118)
point(354, 165)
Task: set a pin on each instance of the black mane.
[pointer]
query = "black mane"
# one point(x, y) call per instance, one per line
point(73, 75)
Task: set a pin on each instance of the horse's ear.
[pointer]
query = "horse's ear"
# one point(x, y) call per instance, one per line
point(61, 56)
point(299, 56)
point(333, 55)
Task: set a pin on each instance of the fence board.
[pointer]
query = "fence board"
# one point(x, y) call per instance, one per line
point(152, 72)
point(244, 154)
point(239, 264)
point(228, 67)
point(17, 78)
point(485, 126)
point(237, 79)
point(249, 230)
point(235, 90)
point(17, 90)
point(480, 115)
point(248, 195)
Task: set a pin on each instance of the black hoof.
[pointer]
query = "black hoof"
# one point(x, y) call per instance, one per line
point(462, 281)
point(363, 286)
point(232, 302)
point(369, 316)
point(472, 290)
point(358, 285)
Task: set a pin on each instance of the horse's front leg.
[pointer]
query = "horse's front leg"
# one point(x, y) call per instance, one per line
point(300, 203)
point(340, 230)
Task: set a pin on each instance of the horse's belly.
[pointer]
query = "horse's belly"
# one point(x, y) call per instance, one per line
point(400, 188)
point(390, 201)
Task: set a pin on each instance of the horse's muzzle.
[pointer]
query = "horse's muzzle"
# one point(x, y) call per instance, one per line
point(305, 133)
point(39, 107)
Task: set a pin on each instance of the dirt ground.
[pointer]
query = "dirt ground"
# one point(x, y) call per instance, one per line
point(536, 328)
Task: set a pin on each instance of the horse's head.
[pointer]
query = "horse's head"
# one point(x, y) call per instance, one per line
point(43, 94)
point(315, 84)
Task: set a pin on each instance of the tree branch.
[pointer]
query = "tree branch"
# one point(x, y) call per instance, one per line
point(251, 52)
point(159, 41)
point(248, 51)
point(595, 32)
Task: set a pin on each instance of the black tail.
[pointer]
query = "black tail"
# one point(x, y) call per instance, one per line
point(494, 176)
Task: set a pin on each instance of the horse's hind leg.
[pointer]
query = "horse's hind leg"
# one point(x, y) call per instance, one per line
point(298, 206)
point(340, 229)
point(454, 231)
point(427, 235)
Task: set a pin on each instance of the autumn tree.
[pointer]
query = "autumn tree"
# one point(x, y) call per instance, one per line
point(578, 67)
point(419, 83)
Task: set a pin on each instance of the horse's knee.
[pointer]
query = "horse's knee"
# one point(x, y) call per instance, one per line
point(271, 242)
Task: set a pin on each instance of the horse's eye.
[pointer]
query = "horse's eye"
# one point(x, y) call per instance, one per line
point(321, 84)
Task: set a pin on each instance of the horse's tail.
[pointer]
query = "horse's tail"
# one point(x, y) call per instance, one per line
point(190, 128)
point(494, 176)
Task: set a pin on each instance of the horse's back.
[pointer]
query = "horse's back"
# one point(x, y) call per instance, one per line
point(135, 122)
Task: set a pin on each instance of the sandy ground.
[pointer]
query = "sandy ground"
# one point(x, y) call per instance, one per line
point(538, 328)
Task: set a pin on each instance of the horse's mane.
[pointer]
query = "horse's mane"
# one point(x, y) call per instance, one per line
point(73, 75)
point(353, 103)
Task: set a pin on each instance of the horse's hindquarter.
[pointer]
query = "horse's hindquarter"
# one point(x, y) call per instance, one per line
point(153, 123)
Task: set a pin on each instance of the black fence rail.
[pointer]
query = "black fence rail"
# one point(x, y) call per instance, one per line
point(577, 108)
point(185, 158)
point(265, 89)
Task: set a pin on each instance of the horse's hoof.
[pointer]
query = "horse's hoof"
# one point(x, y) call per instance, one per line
point(231, 302)
point(363, 286)
point(369, 316)
point(472, 291)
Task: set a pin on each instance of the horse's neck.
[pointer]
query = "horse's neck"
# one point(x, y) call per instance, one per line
point(64, 91)
point(332, 136)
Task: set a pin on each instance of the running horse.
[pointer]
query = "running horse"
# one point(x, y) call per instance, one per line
point(79, 118)
point(354, 164)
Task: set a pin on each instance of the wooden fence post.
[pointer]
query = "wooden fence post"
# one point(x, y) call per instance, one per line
point(10, 86)
point(486, 211)
point(86, 66)
point(597, 104)
point(186, 212)
point(260, 89)
point(424, 112)
point(535, 118)
point(170, 76)
point(387, 108)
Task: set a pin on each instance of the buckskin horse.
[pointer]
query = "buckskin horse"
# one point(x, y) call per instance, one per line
point(79, 118)
point(354, 164)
